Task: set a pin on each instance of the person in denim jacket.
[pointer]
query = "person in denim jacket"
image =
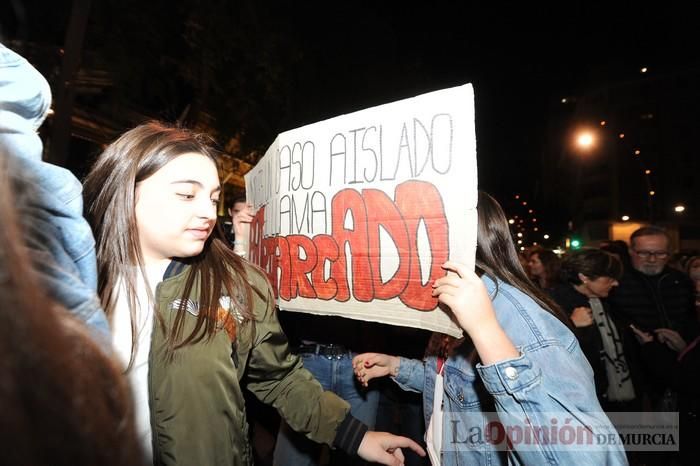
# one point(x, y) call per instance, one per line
point(61, 243)
point(518, 389)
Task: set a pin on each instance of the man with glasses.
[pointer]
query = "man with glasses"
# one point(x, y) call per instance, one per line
point(652, 296)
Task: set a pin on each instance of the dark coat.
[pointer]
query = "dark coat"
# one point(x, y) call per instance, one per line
point(650, 302)
point(566, 296)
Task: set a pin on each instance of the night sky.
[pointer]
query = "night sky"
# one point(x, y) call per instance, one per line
point(330, 58)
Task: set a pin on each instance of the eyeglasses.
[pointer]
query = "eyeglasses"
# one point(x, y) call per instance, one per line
point(648, 254)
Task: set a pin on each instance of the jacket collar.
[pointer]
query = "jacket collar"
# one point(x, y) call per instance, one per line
point(175, 267)
point(491, 285)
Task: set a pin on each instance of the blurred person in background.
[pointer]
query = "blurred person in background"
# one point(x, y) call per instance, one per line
point(652, 296)
point(588, 275)
point(63, 400)
point(683, 373)
point(543, 265)
point(617, 248)
point(692, 268)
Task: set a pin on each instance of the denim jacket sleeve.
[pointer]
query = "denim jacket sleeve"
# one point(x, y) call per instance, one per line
point(58, 237)
point(550, 387)
point(411, 376)
point(61, 247)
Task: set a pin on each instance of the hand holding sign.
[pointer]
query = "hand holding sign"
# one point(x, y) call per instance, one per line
point(465, 294)
point(241, 220)
point(467, 297)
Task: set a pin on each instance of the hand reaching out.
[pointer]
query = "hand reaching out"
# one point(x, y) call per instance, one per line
point(670, 338)
point(642, 336)
point(368, 366)
point(385, 448)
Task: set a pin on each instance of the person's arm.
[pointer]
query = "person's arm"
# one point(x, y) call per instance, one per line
point(671, 338)
point(409, 374)
point(61, 271)
point(277, 377)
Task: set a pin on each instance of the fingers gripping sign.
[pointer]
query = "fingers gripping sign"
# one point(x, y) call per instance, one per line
point(241, 220)
point(465, 294)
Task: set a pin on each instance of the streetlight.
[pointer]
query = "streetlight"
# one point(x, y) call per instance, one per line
point(625, 218)
point(585, 139)
point(679, 208)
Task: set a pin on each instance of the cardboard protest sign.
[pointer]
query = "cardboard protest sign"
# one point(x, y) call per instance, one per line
point(355, 215)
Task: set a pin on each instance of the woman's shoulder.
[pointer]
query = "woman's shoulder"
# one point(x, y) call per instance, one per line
point(256, 277)
point(566, 296)
point(525, 321)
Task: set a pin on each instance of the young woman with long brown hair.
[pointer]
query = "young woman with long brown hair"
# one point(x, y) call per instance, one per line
point(193, 323)
point(519, 369)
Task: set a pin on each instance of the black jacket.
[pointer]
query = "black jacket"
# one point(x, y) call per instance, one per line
point(566, 296)
point(650, 302)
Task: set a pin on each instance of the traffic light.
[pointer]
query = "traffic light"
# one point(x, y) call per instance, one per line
point(574, 242)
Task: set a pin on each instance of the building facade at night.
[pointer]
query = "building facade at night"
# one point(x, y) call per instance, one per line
point(641, 163)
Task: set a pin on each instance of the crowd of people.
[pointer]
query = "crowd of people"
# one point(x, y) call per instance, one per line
point(636, 312)
point(135, 332)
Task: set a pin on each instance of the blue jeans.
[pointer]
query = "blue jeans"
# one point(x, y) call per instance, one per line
point(335, 374)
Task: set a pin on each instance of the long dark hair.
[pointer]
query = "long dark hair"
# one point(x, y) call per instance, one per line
point(497, 258)
point(551, 265)
point(63, 401)
point(109, 192)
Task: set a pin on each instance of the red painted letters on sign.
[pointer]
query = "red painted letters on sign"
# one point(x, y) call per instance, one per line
point(299, 266)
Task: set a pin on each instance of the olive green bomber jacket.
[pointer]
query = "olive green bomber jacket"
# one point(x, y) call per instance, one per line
point(196, 399)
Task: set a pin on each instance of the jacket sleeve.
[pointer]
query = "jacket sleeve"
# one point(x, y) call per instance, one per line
point(45, 222)
point(551, 389)
point(411, 376)
point(277, 378)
